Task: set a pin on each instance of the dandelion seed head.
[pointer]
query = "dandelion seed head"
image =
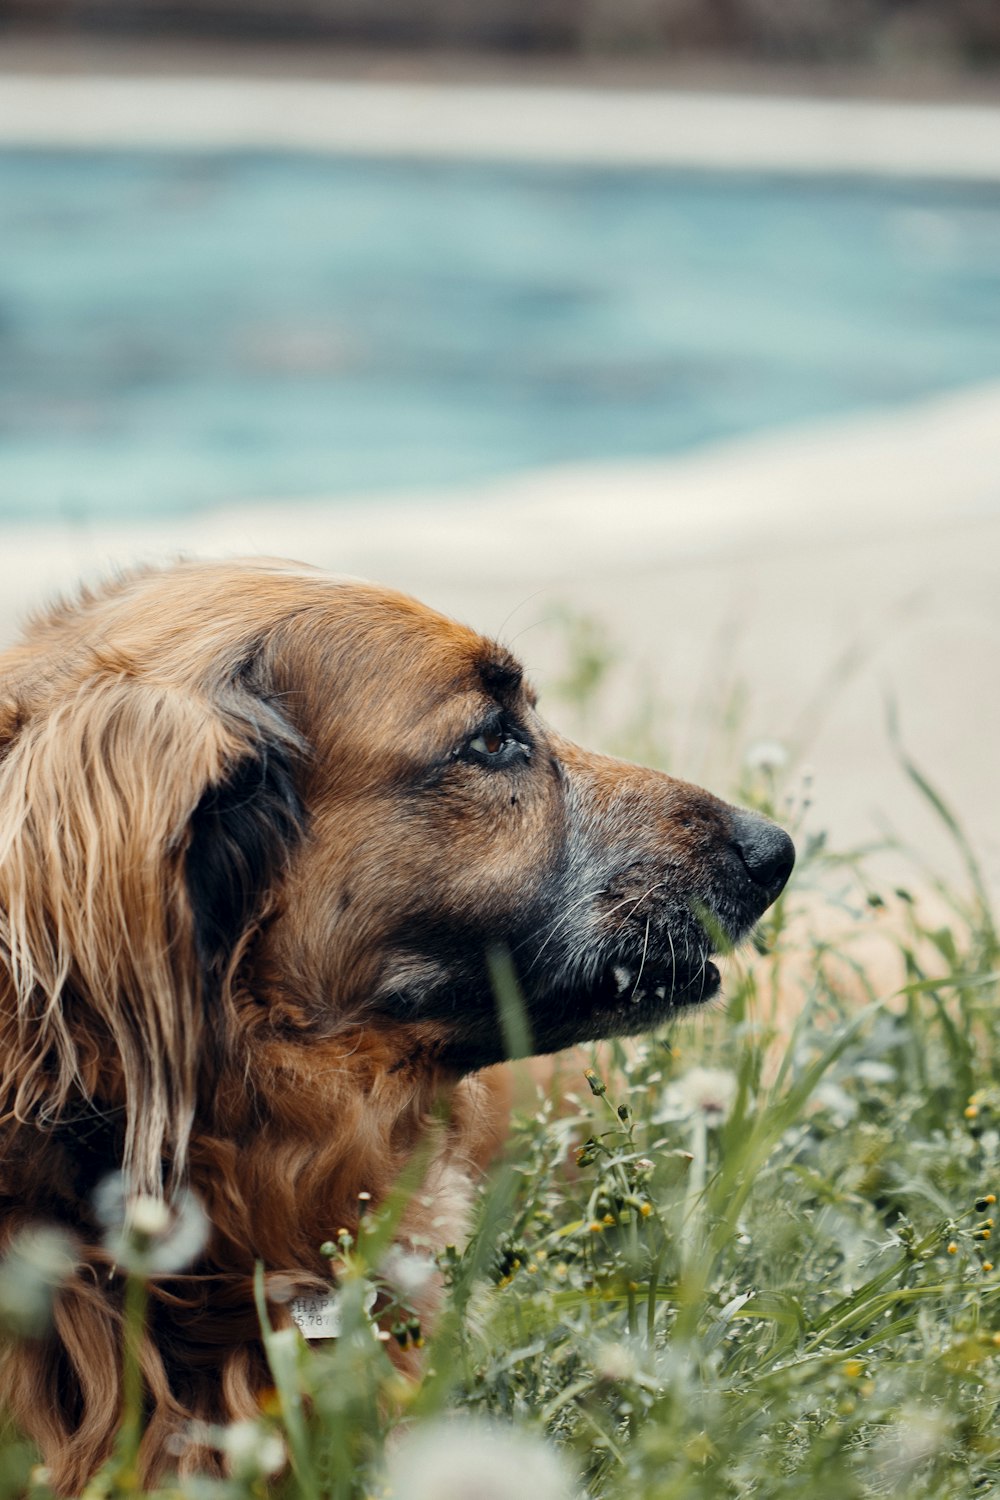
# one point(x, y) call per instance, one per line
point(765, 755)
point(407, 1271)
point(710, 1092)
point(469, 1460)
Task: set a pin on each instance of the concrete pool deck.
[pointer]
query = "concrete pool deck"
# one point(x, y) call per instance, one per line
point(500, 121)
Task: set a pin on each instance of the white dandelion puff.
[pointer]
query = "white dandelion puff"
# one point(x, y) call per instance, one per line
point(705, 1093)
point(463, 1459)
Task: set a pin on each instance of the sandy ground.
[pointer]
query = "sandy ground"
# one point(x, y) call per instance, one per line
point(818, 573)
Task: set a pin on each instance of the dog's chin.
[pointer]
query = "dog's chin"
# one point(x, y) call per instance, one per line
point(620, 1001)
point(624, 1001)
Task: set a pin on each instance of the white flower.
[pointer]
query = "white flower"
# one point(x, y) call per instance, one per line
point(765, 755)
point(910, 1442)
point(870, 1070)
point(710, 1092)
point(406, 1271)
point(835, 1101)
point(462, 1459)
point(252, 1451)
point(146, 1235)
point(37, 1261)
point(149, 1216)
point(615, 1362)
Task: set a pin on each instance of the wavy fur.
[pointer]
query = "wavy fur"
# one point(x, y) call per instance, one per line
point(258, 828)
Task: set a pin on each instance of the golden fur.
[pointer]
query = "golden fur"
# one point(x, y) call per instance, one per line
point(258, 828)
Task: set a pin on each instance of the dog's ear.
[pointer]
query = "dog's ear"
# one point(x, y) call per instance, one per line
point(241, 833)
point(140, 822)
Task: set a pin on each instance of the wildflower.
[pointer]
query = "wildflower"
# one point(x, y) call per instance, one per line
point(952, 1247)
point(614, 1362)
point(597, 1085)
point(904, 1446)
point(982, 1204)
point(987, 1265)
point(269, 1402)
point(37, 1261)
point(457, 1458)
point(406, 1271)
point(148, 1217)
point(872, 1071)
point(709, 1092)
point(147, 1235)
point(253, 1452)
point(765, 755)
point(835, 1101)
point(852, 1368)
point(971, 1111)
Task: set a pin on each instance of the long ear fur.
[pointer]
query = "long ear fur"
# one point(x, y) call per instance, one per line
point(99, 937)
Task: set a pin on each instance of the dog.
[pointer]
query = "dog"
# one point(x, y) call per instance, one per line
point(261, 829)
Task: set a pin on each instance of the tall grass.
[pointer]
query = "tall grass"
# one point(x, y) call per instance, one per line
point(751, 1256)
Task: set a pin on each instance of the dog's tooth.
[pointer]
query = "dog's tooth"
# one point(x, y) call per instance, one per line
point(622, 978)
point(661, 992)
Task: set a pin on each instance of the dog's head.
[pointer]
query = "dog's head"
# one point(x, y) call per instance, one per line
point(249, 800)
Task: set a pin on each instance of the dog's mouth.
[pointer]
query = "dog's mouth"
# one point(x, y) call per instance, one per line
point(668, 988)
point(633, 981)
point(628, 995)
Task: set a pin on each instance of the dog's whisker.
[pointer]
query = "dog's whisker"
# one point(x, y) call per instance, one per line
point(561, 920)
point(642, 961)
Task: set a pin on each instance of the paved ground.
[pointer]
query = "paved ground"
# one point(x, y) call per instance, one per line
point(506, 121)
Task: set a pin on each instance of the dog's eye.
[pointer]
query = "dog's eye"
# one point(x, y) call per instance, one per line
point(490, 742)
point(494, 746)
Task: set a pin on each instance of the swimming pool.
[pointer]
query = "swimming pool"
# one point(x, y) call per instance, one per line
point(182, 329)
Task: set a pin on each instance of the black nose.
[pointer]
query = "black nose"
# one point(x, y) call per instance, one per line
point(766, 851)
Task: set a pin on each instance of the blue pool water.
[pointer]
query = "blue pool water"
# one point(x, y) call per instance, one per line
point(184, 329)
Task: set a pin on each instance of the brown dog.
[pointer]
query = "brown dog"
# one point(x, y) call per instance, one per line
point(258, 829)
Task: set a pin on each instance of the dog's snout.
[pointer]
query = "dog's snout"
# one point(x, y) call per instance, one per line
point(766, 851)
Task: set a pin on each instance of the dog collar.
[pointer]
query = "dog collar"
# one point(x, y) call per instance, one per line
point(317, 1315)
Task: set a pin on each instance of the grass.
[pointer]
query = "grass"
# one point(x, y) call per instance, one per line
point(751, 1256)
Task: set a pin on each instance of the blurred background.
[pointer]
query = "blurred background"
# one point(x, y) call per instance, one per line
point(887, 31)
point(661, 337)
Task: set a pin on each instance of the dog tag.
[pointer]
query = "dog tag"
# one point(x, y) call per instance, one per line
point(318, 1316)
